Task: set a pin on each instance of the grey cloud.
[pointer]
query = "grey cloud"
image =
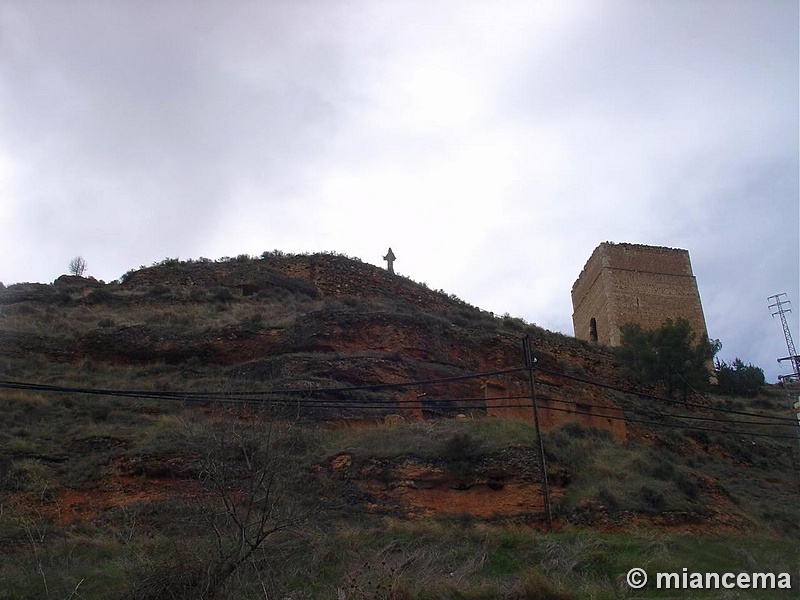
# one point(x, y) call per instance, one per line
point(527, 133)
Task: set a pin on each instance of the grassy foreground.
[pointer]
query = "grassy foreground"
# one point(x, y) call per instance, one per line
point(379, 558)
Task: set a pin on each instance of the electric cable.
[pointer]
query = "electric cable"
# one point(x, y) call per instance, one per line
point(321, 403)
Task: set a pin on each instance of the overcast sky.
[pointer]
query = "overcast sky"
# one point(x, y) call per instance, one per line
point(492, 145)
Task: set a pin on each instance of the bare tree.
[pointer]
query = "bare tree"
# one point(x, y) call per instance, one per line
point(249, 469)
point(77, 266)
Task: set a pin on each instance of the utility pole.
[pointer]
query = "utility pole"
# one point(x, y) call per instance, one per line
point(529, 362)
point(778, 306)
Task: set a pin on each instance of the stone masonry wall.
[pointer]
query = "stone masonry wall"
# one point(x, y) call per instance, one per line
point(339, 276)
point(326, 275)
point(631, 283)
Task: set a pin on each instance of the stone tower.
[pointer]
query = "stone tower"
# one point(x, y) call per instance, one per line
point(631, 283)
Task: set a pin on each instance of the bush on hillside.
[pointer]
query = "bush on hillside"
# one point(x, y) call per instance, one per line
point(739, 379)
point(668, 355)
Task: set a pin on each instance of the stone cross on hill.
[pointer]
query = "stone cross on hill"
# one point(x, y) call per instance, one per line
point(390, 258)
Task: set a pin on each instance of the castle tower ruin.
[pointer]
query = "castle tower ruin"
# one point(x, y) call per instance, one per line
point(632, 283)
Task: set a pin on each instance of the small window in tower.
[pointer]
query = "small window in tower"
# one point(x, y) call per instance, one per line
point(593, 330)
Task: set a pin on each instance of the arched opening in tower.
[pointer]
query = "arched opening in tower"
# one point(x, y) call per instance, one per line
point(593, 330)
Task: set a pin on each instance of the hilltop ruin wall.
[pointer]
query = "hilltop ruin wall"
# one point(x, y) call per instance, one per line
point(322, 275)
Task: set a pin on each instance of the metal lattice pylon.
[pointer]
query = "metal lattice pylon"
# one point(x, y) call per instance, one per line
point(779, 310)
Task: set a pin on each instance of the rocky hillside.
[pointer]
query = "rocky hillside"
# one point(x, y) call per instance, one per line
point(393, 420)
point(317, 320)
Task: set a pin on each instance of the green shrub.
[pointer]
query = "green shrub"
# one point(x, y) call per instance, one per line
point(739, 379)
point(608, 499)
point(221, 294)
point(688, 484)
point(158, 291)
point(254, 321)
point(198, 294)
point(659, 466)
point(463, 451)
point(12, 477)
point(653, 500)
point(462, 445)
point(669, 355)
point(98, 296)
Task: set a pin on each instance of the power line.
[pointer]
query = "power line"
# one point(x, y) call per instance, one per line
point(287, 391)
point(674, 425)
point(256, 398)
point(781, 421)
point(659, 398)
point(444, 409)
point(186, 394)
point(321, 403)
